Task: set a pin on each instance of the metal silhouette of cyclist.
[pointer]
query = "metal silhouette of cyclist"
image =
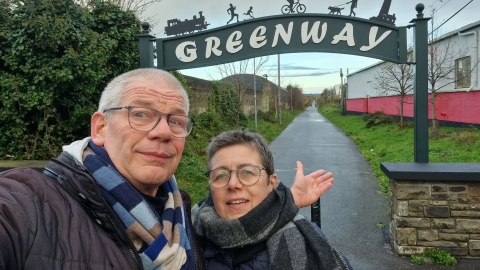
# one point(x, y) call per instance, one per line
point(231, 11)
point(290, 2)
point(293, 6)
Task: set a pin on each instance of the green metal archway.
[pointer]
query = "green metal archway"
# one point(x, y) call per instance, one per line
point(302, 33)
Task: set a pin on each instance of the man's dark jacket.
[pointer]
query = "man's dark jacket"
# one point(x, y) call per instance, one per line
point(59, 220)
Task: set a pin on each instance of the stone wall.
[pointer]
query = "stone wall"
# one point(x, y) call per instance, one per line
point(201, 90)
point(435, 206)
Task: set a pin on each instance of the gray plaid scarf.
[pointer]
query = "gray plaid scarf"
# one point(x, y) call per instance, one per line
point(291, 240)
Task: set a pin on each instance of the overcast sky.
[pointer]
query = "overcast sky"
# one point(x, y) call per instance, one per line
point(311, 71)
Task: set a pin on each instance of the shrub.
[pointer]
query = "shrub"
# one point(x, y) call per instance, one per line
point(55, 59)
point(436, 255)
point(377, 118)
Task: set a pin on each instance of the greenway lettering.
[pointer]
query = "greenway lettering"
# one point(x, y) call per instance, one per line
point(283, 34)
point(315, 33)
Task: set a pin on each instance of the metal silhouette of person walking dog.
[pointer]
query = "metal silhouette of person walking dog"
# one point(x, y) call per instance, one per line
point(293, 6)
point(352, 7)
point(337, 10)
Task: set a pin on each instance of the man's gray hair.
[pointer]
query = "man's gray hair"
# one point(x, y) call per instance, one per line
point(235, 137)
point(112, 94)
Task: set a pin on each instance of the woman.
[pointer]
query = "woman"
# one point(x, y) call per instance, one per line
point(249, 221)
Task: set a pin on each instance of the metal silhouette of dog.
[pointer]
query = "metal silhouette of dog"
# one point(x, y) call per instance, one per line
point(335, 10)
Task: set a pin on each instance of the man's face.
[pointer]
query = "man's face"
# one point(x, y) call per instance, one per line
point(145, 159)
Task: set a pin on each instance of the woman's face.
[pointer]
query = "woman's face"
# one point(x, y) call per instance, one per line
point(235, 199)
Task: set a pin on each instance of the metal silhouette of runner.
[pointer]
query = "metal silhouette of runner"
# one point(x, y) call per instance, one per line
point(293, 6)
point(231, 11)
point(249, 13)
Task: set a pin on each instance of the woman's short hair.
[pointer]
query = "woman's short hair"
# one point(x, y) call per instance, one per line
point(113, 92)
point(235, 137)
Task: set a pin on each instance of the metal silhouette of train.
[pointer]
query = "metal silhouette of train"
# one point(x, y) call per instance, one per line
point(178, 27)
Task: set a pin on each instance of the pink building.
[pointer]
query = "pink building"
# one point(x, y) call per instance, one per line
point(457, 100)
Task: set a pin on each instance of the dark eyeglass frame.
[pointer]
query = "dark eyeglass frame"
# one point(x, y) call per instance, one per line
point(189, 125)
point(260, 169)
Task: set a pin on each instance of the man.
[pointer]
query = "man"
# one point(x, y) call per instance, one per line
point(290, 3)
point(231, 12)
point(352, 7)
point(110, 201)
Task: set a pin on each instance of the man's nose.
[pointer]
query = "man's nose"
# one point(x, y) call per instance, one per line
point(162, 129)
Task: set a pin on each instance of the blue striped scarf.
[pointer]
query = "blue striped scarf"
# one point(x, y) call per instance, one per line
point(159, 247)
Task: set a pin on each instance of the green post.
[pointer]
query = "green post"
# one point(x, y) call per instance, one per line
point(146, 46)
point(420, 89)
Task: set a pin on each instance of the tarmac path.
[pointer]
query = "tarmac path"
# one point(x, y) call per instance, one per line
point(354, 212)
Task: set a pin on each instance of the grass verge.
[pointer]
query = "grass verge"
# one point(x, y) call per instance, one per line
point(384, 141)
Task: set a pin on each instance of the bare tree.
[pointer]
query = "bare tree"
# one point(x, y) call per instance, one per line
point(328, 96)
point(239, 74)
point(294, 97)
point(442, 56)
point(397, 79)
point(137, 6)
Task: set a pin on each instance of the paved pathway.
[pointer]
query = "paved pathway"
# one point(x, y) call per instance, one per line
point(354, 213)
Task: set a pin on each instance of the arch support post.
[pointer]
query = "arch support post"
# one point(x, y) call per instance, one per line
point(146, 46)
point(420, 86)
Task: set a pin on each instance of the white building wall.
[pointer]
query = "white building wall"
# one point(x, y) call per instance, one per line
point(361, 83)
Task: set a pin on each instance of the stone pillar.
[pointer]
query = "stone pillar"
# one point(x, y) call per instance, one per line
point(434, 206)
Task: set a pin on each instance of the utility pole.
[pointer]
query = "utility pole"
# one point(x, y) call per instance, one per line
point(266, 83)
point(255, 92)
point(342, 93)
point(278, 87)
point(291, 98)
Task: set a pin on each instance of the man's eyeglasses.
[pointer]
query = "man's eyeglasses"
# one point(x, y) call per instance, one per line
point(247, 175)
point(146, 119)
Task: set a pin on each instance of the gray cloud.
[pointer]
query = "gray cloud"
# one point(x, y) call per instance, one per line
point(290, 67)
point(308, 74)
point(295, 67)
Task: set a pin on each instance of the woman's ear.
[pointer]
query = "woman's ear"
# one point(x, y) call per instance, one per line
point(97, 129)
point(273, 181)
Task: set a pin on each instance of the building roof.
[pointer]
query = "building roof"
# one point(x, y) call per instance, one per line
point(455, 32)
point(200, 84)
point(465, 28)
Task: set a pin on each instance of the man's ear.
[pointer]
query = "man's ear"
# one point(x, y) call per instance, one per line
point(97, 129)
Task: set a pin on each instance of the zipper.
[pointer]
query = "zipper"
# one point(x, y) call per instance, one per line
point(341, 258)
point(128, 242)
point(197, 262)
point(117, 231)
